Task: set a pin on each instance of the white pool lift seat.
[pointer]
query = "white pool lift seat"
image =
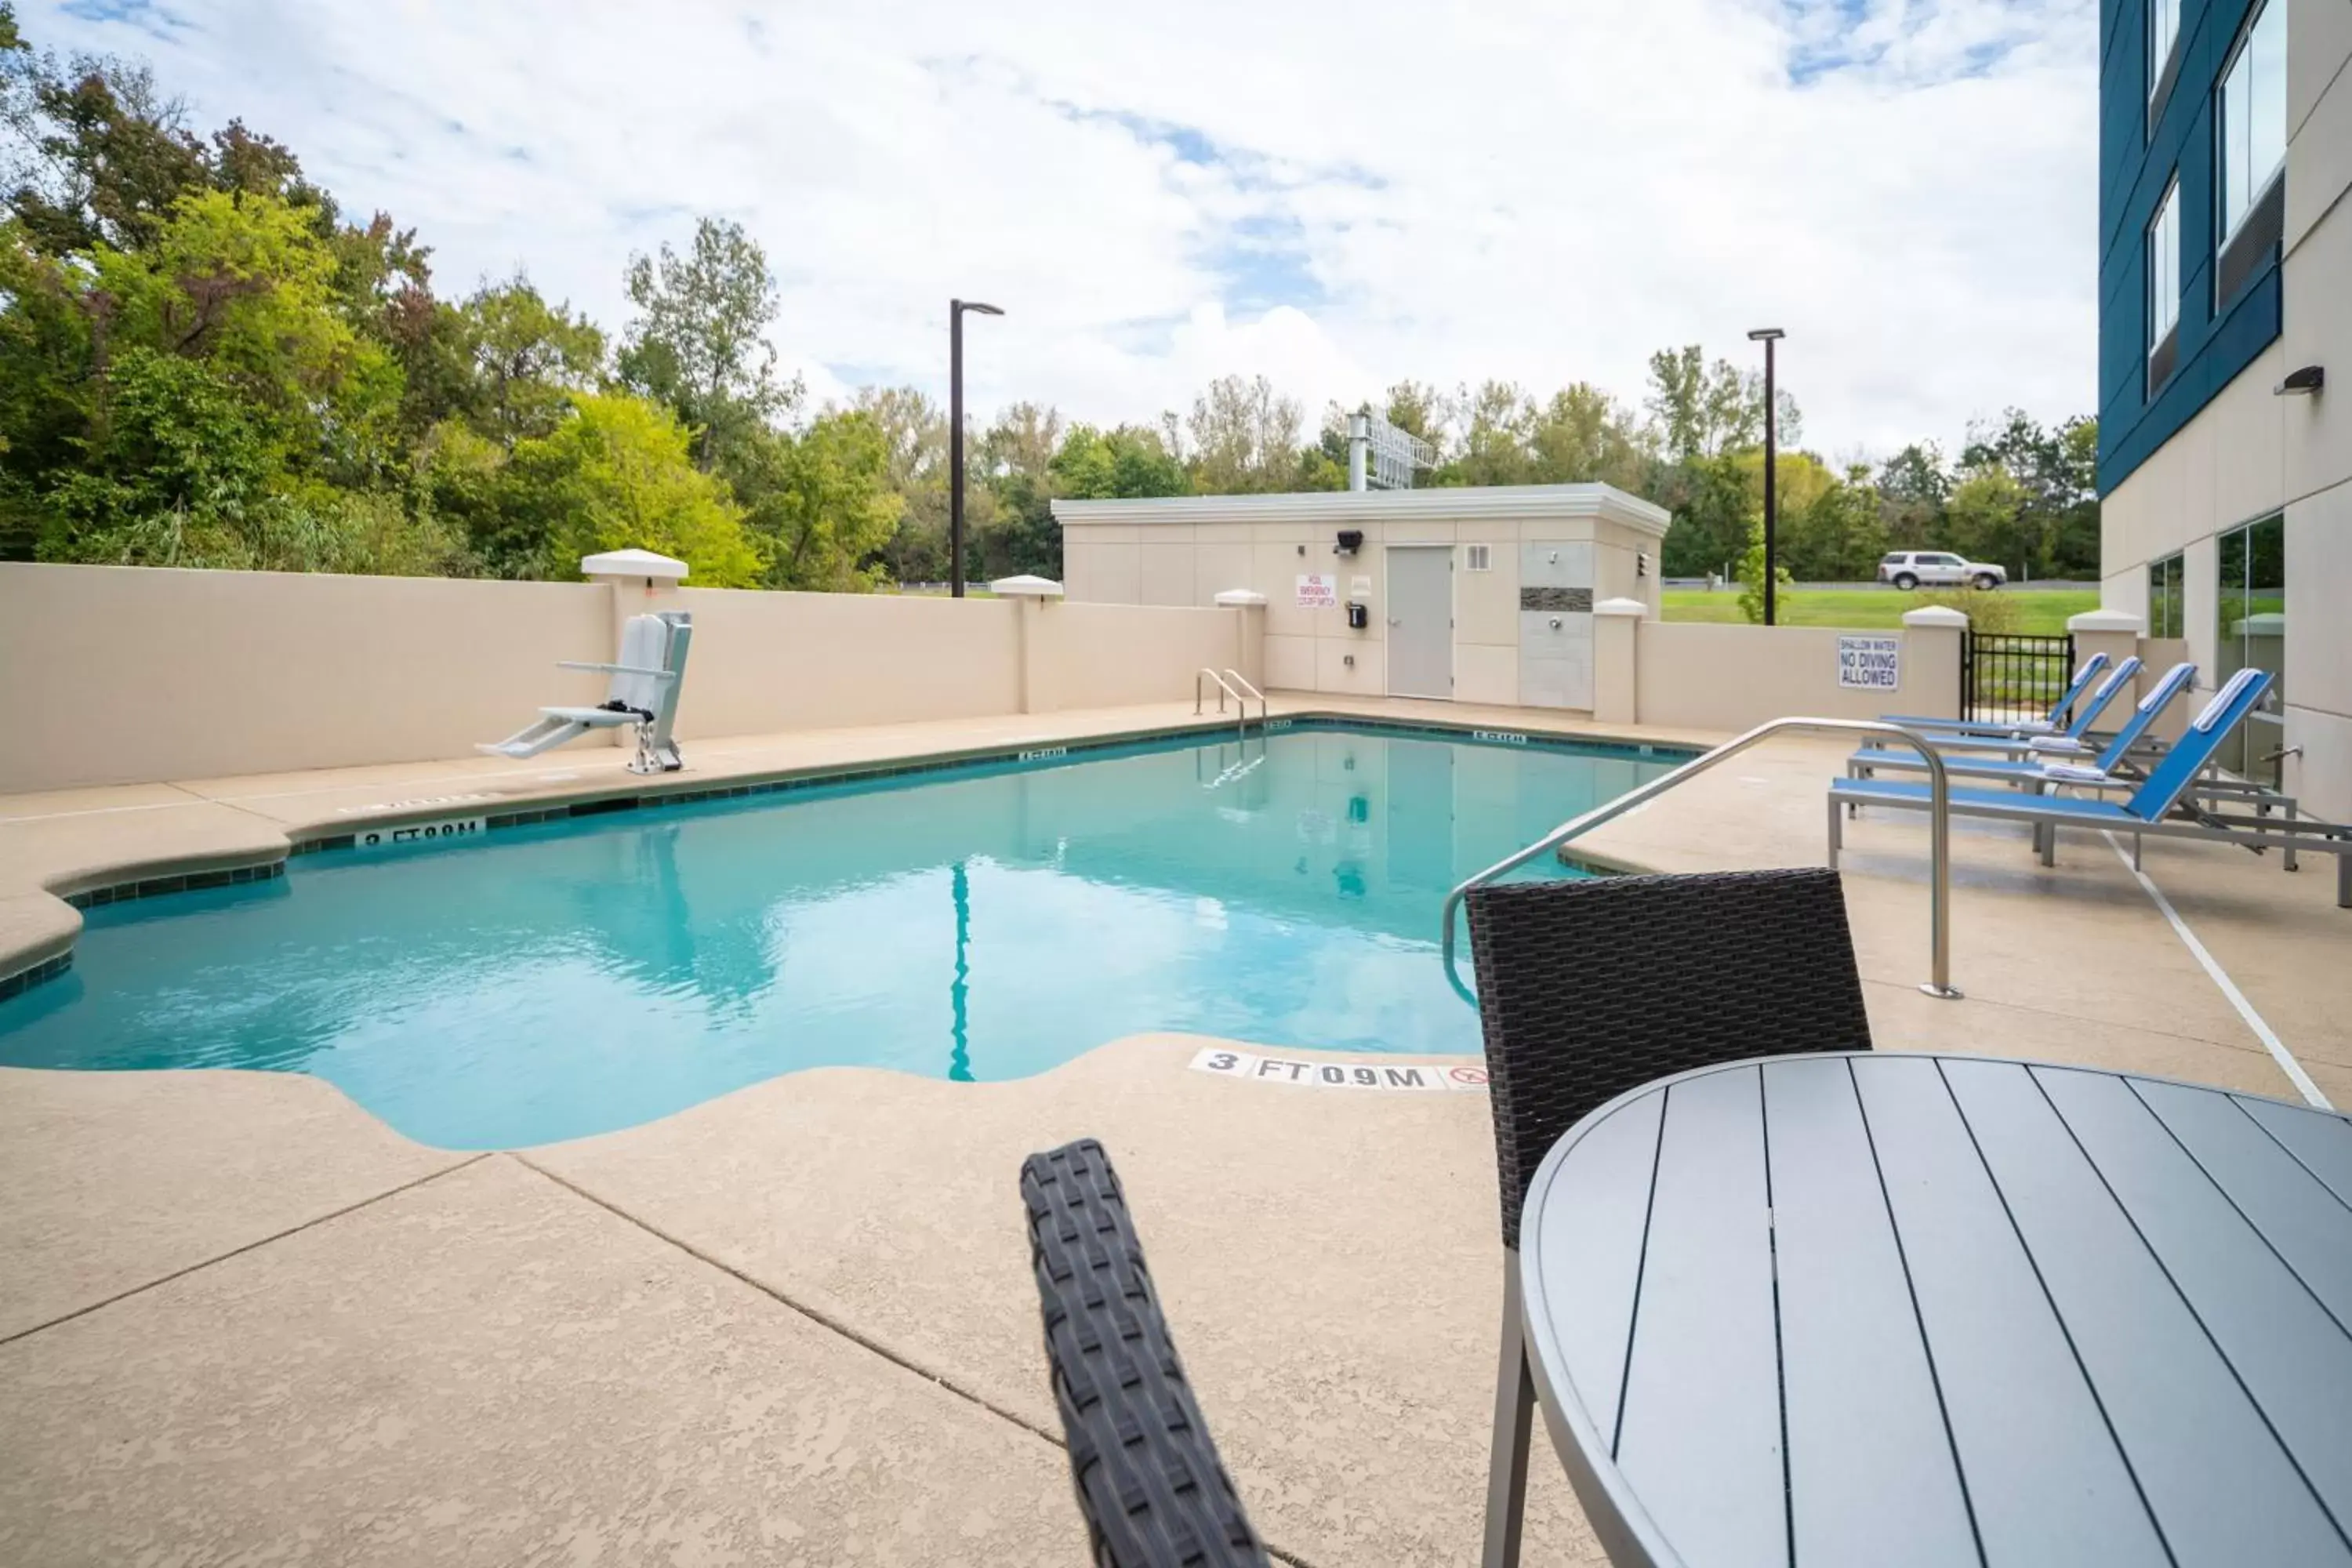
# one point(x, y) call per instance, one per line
point(644, 693)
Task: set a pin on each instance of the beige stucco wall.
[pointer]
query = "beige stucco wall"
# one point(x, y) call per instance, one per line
point(767, 662)
point(1703, 676)
point(2251, 453)
point(1110, 656)
point(123, 674)
point(133, 675)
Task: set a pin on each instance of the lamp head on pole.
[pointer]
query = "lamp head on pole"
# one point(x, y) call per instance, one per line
point(976, 305)
point(1765, 334)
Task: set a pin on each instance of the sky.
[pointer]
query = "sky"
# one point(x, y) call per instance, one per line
point(1336, 197)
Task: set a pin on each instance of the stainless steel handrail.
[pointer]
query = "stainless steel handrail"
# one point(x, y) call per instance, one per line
point(1223, 691)
point(1248, 690)
point(1939, 837)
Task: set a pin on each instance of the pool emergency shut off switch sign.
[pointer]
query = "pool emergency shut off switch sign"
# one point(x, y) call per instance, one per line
point(1318, 591)
point(1870, 663)
point(1406, 1076)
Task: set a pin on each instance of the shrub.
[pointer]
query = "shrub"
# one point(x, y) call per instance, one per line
point(1992, 611)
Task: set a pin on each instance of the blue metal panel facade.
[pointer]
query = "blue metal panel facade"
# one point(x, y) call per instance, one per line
point(2137, 161)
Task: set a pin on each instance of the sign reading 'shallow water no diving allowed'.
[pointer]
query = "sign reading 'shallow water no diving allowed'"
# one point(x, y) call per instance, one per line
point(1870, 663)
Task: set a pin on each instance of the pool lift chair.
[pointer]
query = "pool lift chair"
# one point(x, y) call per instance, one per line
point(643, 693)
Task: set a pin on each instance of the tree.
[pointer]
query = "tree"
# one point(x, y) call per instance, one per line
point(1583, 436)
point(1246, 438)
point(819, 503)
point(96, 155)
point(699, 342)
point(618, 474)
point(527, 357)
point(1497, 438)
point(1419, 409)
point(1713, 503)
point(1121, 463)
point(1836, 534)
point(1913, 486)
point(1750, 574)
point(1700, 411)
point(1988, 517)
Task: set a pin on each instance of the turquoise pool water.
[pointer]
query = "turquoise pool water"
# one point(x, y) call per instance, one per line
point(571, 977)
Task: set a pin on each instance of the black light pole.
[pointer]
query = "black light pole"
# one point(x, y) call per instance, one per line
point(956, 307)
point(1768, 336)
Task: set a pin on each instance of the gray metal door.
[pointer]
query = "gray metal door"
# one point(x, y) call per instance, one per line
point(1421, 620)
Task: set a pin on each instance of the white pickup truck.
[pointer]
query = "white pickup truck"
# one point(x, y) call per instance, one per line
point(1938, 569)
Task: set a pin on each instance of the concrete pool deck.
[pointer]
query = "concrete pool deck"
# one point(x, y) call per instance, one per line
point(241, 1320)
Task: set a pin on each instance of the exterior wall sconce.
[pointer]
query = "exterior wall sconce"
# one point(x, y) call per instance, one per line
point(2305, 383)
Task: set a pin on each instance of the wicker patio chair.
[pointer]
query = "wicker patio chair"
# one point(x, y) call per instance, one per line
point(1149, 1483)
point(1587, 989)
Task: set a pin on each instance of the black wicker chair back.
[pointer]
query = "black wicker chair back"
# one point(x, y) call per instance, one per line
point(1590, 988)
point(1149, 1483)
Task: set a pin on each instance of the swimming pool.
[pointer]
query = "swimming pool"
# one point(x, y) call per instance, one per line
point(981, 923)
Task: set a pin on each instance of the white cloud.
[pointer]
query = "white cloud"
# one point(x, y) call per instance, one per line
point(1159, 194)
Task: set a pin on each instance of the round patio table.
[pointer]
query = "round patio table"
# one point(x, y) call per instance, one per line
point(1877, 1309)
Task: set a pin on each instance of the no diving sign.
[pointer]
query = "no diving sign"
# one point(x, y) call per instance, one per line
point(1405, 1076)
point(1870, 663)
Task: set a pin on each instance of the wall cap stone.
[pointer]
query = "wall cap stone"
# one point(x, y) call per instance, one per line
point(1627, 607)
point(1025, 586)
point(2105, 621)
point(1935, 615)
point(632, 563)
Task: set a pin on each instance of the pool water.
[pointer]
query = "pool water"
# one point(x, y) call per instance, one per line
point(989, 922)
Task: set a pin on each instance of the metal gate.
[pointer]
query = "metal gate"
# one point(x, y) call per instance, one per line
point(2007, 675)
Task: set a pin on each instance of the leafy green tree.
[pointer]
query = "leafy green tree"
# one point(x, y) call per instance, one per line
point(1988, 517)
point(1703, 411)
point(619, 473)
point(1832, 530)
point(528, 357)
point(1419, 409)
point(699, 343)
point(1121, 463)
point(1246, 438)
point(1583, 436)
point(1713, 503)
point(1913, 487)
point(96, 154)
point(819, 503)
point(1750, 576)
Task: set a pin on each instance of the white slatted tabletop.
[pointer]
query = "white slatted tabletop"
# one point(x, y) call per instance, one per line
point(1845, 1312)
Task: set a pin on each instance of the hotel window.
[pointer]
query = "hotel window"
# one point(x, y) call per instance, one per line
point(2164, 617)
point(2251, 134)
point(2163, 55)
point(2250, 628)
point(2163, 286)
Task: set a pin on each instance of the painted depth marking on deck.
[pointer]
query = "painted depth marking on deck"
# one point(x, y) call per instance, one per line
point(1407, 1077)
point(418, 832)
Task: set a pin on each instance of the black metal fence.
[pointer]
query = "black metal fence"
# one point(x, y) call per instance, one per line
point(2010, 674)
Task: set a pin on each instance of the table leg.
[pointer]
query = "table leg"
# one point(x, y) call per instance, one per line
point(1514, 1405)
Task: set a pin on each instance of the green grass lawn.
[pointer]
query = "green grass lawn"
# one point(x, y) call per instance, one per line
point(2037, 610)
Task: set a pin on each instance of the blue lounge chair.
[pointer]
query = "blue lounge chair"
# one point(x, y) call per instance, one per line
point(2072, 741)
point(2043, 765)
point(2089, 672)
point(2147, 813)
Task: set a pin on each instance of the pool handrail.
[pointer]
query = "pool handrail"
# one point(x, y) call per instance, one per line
point(1248, 690)
point(1939, 838)
point(1224, 690)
